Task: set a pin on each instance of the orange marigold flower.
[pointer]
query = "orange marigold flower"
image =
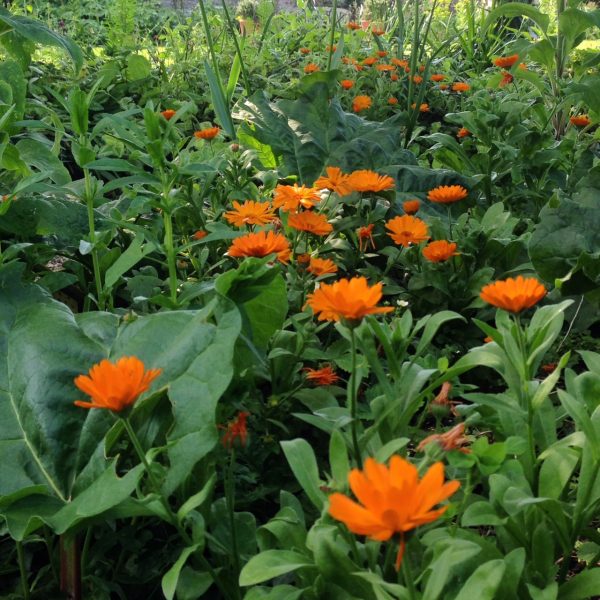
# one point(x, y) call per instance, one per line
point(353, 26)
point(361, 103)
point(358, 67)
point(461, 86)
point(168, 114)
point(514, 295)
point(250, 213)
point(321, 266)
point(506, 62)
point(209, 133)
point(369, 62)
point(304, 50)
point(439, 251)
point(453, 439)
point(261, 243)
point(392, 101)
point(349, 299)
point(580, 120)
point(443, 86)
point(292, 197)
point(411, 207)
point(421, 68)
point(369, 181)
point(487, 339)
point(315, 223)
point(347, 84)
point(324, 376)
point(236, 430)
point(377, 31)
point(394, 77)
point(549, 368)
point(506, 79)
point(200, 234)
point(406, 230)
point(365, 237)
point(446, 194)
point(336, 181)
point(392, 500)
point(399, 62)
point(417, 79)
point(329, 48)
point(303, 259)
point(115, 386)
point(463, 132)
point(385, 68)
point(381, 53)
point(437, 77)
point(311, 68)
point(424, 107)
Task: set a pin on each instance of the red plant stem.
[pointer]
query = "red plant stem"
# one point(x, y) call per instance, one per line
point(70, 566)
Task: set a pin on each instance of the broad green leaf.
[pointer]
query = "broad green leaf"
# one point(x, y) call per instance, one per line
point(484, 581)
point(302, 460)
point(219, 100)
point(171, 577)
point(38, 155)
point(270, 564)
point(338, 457)
point(131, 257)
point(138, 67)
point(582, 586)
point(517, 9)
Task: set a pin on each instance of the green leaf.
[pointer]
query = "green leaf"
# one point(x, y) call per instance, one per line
point(36, 154)
point(219, 100)
point(131, 257)
point(37, 32)
point(138, 67)
point(556, 471)
point(302, 460)
point(581, 587)
point(483, 582)
point(171, 577)
point(517, 9)
point(481, 513)
point(338, 457)
point(270, 564)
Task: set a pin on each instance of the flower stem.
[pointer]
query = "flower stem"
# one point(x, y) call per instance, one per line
point(89, 201)
point(230, 500)
point(170, 250)
point(353, 400)
point(22, 570)
point(408, 580)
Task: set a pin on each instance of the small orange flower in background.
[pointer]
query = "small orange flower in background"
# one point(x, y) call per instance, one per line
point(453, 439)
point(424, 107)
point(439, 251)
point(377, 31)
point(369, 62)
point(324, 376)
point(421, 68)
point(487, 339)
point(321, 266)
point(411, 207)
point(250, 213)
point(549, 368)
point(365, 237)
point(260, 244)
point(463, 132)
point(336, 181)
point(304, 50)
point(381, 53)
point(399, 62)
point(580, 120)
point(514, 295)
point(210, 133)
point(315, 223)
point(347, 84)
point(446, 194)
point(349, 299)
point(329, 48)
point(168, 114)
point(369, 181)
point(406, 230)
point(437, 77)
point(394, 77)
point(506, 79)
point(506, 62)
point(392, 101)
point(417, 79)
point(361, 103)
point(311, 68)
point(443, 86)
point(200, 234)
point(461, 86)
point(385, 68)
point(303, 259)
point(353, 26)
point(523, 66)
point(392, 500)
point(115, 386)
point(292, 197)
point(236, 430)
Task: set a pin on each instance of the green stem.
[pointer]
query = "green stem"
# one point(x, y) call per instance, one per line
point(332, 36)
point(22, 570)
point(353, 400)
point(170, 250)
point(89, 201)
point(237, 49)
point(408, 579)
